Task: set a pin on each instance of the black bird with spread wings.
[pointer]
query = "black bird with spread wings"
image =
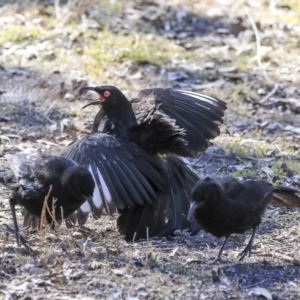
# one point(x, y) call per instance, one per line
point(225, 205)
point(133, 152)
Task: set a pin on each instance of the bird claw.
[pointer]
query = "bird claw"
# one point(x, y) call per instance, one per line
point(218, 259)
point(246, 251)
point(21, 239)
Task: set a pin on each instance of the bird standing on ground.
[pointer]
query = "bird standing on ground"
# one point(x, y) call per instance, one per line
point(66, 184)
point(133, 156)
point(224, 205)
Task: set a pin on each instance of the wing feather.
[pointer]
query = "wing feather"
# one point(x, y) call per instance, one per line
point(200, 115)
point(125, 174)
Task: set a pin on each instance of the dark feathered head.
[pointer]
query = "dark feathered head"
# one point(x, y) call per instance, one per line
point(108, 96)
point(205, 191)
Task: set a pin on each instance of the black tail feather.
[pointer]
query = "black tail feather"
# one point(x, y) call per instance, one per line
point(141, 221)
point(285, 196)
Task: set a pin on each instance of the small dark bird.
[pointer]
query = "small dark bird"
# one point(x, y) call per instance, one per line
point(224, 205)
point(133, 152)
point(66, 184)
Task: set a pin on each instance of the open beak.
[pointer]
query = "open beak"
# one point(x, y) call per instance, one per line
point(93, 102)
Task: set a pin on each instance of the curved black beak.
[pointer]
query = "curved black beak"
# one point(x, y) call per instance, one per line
point(93, 102)
point(88, 88)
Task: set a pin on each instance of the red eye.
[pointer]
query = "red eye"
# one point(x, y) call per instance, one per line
point(106, 94)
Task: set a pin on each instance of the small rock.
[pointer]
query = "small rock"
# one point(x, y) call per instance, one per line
point(35, 270)
point(84, 292)
point(78, 275)
point(69, 96)
point(210, 65)
point(6, 130)
point(261, 292)
point(27, 267)
point(229, 69)
point(177, 233)
point(274, 126)
point(10, 269)
point(261, 91)
point(290, 90)
point(183, 35)
point(177, 75)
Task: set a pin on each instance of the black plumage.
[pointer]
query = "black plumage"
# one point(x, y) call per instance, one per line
point(225, 205)
point(133, 156)
point(68, 184)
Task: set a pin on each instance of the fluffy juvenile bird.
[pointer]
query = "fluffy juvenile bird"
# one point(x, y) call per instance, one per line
point(68, 184)
point(133, 156)
point(224, 205)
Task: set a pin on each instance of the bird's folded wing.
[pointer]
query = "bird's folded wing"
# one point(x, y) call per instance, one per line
point(125, 175)
point(200, 115)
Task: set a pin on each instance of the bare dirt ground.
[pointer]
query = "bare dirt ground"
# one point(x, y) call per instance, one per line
point(47, 52)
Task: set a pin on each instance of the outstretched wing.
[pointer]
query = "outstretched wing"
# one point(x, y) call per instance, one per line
point(123, 172)
point(200, 115)
point(181, 181)
point(167, 214)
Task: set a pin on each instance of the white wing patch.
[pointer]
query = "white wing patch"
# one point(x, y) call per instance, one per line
point(104, 187)
point(85, 207)
point(97, 199)
point(199, 96)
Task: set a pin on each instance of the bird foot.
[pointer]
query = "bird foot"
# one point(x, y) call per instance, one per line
point(247, 250)
point(218, 259)
point(22, 239)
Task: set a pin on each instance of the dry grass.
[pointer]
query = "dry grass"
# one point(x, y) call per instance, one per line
point(48, 53)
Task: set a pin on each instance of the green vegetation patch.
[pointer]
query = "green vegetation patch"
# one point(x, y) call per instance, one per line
point(18, 34)
point(109, 48)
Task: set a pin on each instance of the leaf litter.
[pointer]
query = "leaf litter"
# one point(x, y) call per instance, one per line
point(40, 114)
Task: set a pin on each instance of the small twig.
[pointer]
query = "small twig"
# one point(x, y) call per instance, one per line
point(292, 260)
point(5, 240)
point(161, 247)
point(48, 110)
point(147, 233)
point(52, 213)
point(259, 63)
point(254, 285)
point(43, 215)
point(24, 280)
point(194, 261)
point(65, 250)
point(57, 9)
point(269, 95)
point(134, 237)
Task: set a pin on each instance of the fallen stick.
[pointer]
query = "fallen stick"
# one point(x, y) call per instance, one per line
point(290, 259)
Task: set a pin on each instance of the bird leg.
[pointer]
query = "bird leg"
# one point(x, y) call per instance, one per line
point(248, 248)
point(218, 258)
point(19, 237)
